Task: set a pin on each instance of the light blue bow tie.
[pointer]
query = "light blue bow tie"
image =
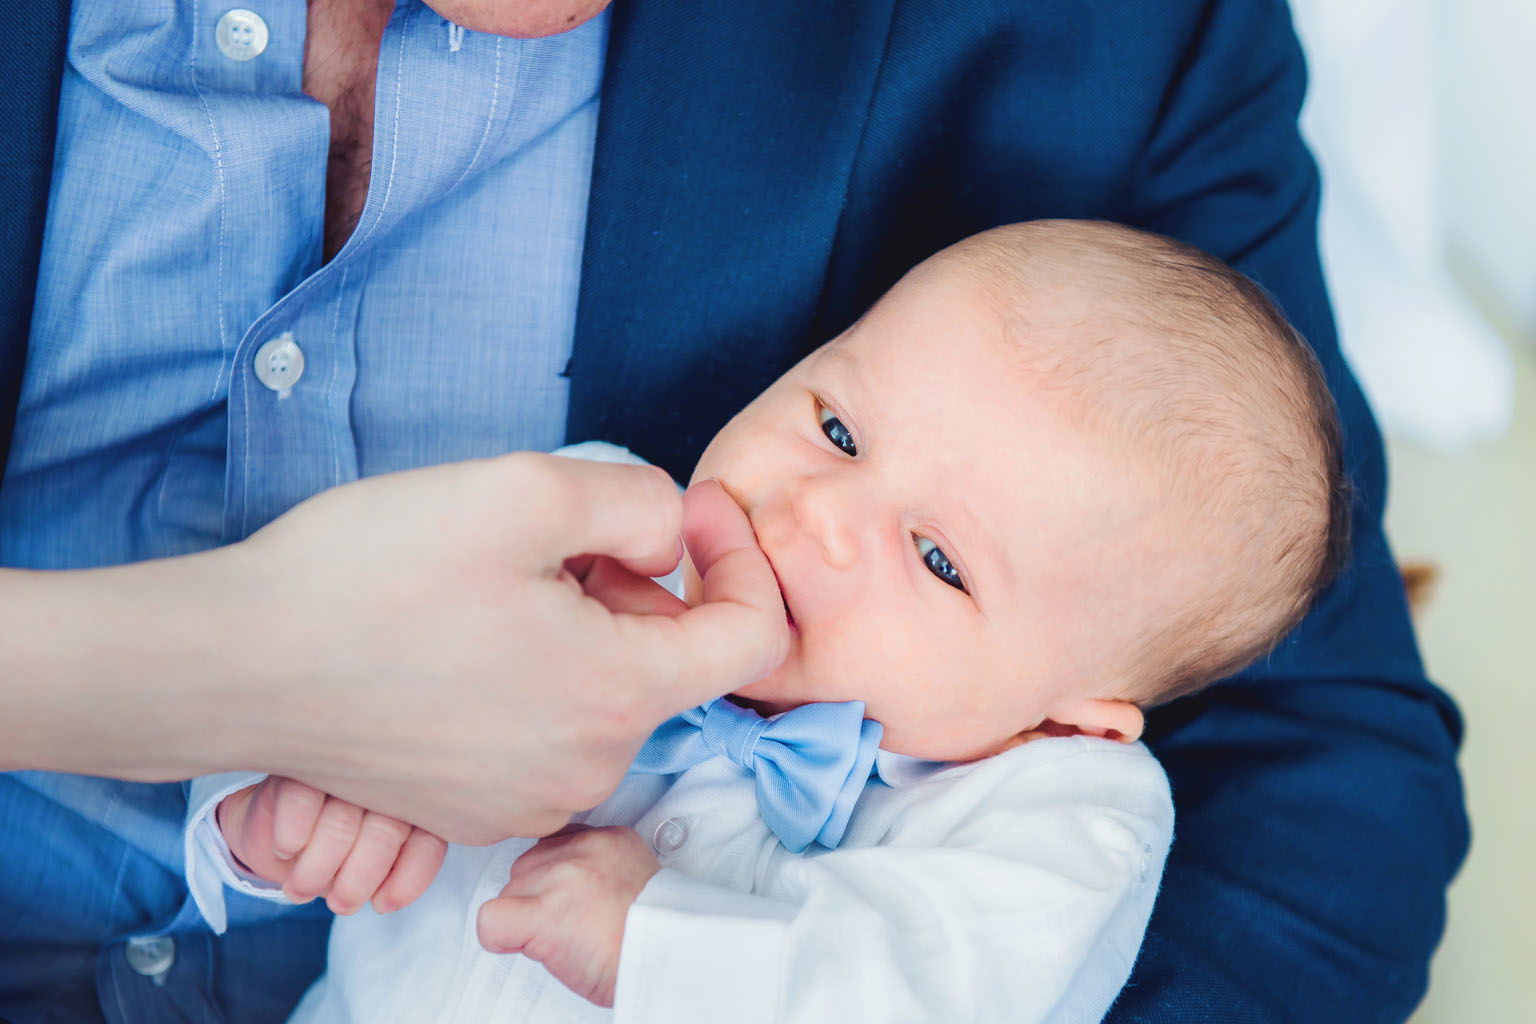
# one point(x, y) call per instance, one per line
point(811, 763)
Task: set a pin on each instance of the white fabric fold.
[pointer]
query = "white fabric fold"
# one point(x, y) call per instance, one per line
point(209, 864)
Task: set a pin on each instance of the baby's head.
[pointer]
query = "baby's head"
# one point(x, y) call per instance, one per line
point(1061, 472)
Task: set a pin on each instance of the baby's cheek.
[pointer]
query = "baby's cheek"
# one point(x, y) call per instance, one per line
point(932, 700)
point(861, 661)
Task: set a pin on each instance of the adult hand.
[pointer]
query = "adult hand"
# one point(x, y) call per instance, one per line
point(412, 643)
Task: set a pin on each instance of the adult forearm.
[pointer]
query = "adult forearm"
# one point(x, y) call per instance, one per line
point(124, 671)
point(413, 643)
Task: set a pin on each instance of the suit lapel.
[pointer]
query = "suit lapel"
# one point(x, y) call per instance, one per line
point(31, 63)
point(725, 140)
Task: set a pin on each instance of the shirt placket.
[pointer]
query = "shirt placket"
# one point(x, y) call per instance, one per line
point(291, 430)
point(289, 435)
point(270, 142)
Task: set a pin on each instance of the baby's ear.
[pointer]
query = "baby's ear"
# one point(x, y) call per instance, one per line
point(1110, 719)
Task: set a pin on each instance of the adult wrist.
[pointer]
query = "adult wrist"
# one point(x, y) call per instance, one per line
point(123, 671)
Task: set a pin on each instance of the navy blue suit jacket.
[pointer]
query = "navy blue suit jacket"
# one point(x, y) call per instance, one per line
point(764, 171)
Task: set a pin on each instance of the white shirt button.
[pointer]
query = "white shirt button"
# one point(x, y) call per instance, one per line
point(151, 955)
point(241, 34)
point(670, 835)
point(280, 363)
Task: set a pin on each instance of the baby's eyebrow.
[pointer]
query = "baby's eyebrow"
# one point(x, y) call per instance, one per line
point(844, 361)
point(844, 368)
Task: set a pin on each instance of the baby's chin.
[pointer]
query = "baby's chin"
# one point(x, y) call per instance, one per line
point(910, 742)
point(772, 694)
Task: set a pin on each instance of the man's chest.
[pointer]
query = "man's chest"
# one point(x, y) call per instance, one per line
point(187, 241)
point(341, 64)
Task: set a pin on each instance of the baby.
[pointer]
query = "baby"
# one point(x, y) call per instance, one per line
point(1060, 473)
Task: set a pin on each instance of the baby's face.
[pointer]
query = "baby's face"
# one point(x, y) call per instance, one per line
point(950, 549)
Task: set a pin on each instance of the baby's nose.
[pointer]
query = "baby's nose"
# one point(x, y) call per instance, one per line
point(831, 517)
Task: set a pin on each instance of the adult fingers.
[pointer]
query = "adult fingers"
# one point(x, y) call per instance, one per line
point(418, 864)
point(378, 845)
point(629, 513)
point(335, 831)
point(739, 632)
point(620, 590)
point(296, 807)
point(714, 525)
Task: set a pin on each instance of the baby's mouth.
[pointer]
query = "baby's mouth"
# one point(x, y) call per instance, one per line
point(789, 616)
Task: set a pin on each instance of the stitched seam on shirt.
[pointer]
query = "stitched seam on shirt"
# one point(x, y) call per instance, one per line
point(218, 290)
point(218, 274)
point(394, 140)
point(117, 896)
point(330, 387)
point(245, 462)
point(490, 116)
point(122, 865)
point(218, 163)
point(117, 995)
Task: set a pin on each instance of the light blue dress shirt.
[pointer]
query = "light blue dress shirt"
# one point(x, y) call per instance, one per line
point(163, 409)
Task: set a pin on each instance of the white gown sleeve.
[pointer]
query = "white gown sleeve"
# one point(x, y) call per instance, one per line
point(208, 863)
point(1012, 889)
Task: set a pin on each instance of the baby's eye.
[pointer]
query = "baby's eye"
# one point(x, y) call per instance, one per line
point(938, 563)
point(835, 431)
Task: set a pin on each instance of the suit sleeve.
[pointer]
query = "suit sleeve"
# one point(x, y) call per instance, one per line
point(1018, 891)
point(1319, 805)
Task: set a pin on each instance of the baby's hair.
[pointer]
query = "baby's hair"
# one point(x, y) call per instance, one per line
point(1193, 362)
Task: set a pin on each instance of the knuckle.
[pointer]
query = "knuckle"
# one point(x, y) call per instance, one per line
point(425, 844)
point(292, 795)
point(517, 876)
point(526, 883)
point(380, 829)
point(618, 722)
point(306, 884)
point(662, 496)
point(338, 828)
point(565, 875)
point(625, 839)
point(351, 890)
point(536, 482)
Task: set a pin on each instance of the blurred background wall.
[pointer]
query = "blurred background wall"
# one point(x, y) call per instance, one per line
point(1423, 114)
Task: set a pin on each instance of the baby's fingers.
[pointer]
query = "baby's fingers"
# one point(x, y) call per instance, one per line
point(296, 808)
point(418, 863)
point(511, 924)
point(378, 845)
point(335, 833)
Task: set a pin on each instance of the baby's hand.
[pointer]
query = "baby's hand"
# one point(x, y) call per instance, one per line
point(565, 905)
point(316, 845)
